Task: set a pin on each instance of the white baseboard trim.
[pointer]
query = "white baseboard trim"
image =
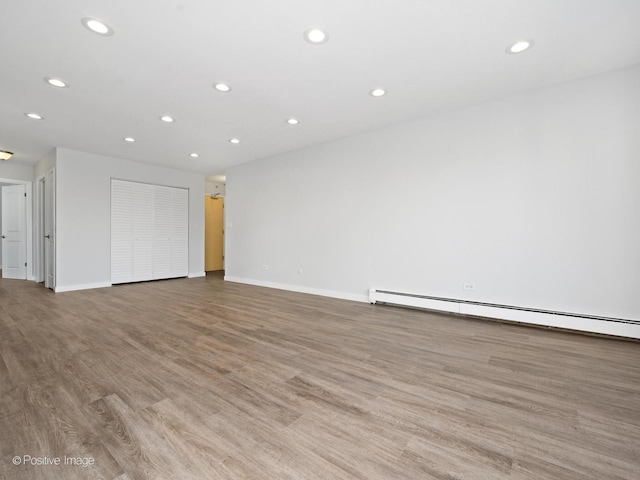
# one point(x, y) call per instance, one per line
point(196, 275)
point(85, 286)
point(584, 323)
point(298, 289)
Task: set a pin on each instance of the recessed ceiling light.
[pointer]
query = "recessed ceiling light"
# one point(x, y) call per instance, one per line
point(292, 121)
point(166, 119)
point(56, 82)
point(234, 141)
point(35, 116)
point(97, 26)
point(377, 92)
point(316, 36)
point(129, 139)
point(222, 87)
point(194, 155)
point(520, 46)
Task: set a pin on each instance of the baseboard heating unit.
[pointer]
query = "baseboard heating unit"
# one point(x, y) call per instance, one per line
point(572, 321)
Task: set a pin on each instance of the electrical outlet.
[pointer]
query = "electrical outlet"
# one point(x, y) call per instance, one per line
point(469, 286)
point(300, 271)
point(265, 267)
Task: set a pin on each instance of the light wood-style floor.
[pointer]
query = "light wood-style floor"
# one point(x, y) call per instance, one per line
point(203, 379)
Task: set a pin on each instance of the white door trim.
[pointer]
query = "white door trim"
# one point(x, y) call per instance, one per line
point(38, 231)
point(49, 211)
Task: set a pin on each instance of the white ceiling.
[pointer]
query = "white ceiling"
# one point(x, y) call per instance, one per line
point(431, 55)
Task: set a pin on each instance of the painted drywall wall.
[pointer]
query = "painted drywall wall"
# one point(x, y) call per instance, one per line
point(83, 221)
point(14, 171)
point(534, 199)
point(45, 164)
point(211, 188)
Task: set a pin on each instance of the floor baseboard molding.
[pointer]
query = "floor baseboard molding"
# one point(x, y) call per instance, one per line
point(85, 286)
point(298, 289)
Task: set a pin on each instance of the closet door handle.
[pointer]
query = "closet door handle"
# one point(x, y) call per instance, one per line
point(47, 236)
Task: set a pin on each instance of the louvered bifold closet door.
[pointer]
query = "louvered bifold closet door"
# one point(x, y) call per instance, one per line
point(121, 231)
point(162, 221)
point(180, 233)
point(149, 232)
point(143, 251)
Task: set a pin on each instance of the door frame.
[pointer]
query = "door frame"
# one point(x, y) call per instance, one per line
point(29, 220)
point(50, 243)
point(40, 245)
point(38, 251)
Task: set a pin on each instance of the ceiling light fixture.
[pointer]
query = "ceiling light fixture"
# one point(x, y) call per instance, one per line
point(4, 155)
point(292, 121)
point(129, 139)
point(194, 155)
point(520, 46)
point(97, 26)
point(167, 119)
point(235, 141)
point(34, 116)
point(316, 36)
point(222, 87)
point(56, 82)
point(378, 92)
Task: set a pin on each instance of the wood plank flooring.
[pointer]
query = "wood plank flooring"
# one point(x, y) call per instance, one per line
point(205, 379)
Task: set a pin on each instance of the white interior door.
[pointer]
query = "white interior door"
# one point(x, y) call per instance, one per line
point(49, 230)
point(14, 232)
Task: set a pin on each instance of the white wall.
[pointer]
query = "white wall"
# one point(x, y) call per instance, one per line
point(534, 198)
point(83, 204)
point(45, 164)
point(211, 188)
point(13, 171)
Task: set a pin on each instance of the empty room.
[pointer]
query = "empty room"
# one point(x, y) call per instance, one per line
point(350, 240)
